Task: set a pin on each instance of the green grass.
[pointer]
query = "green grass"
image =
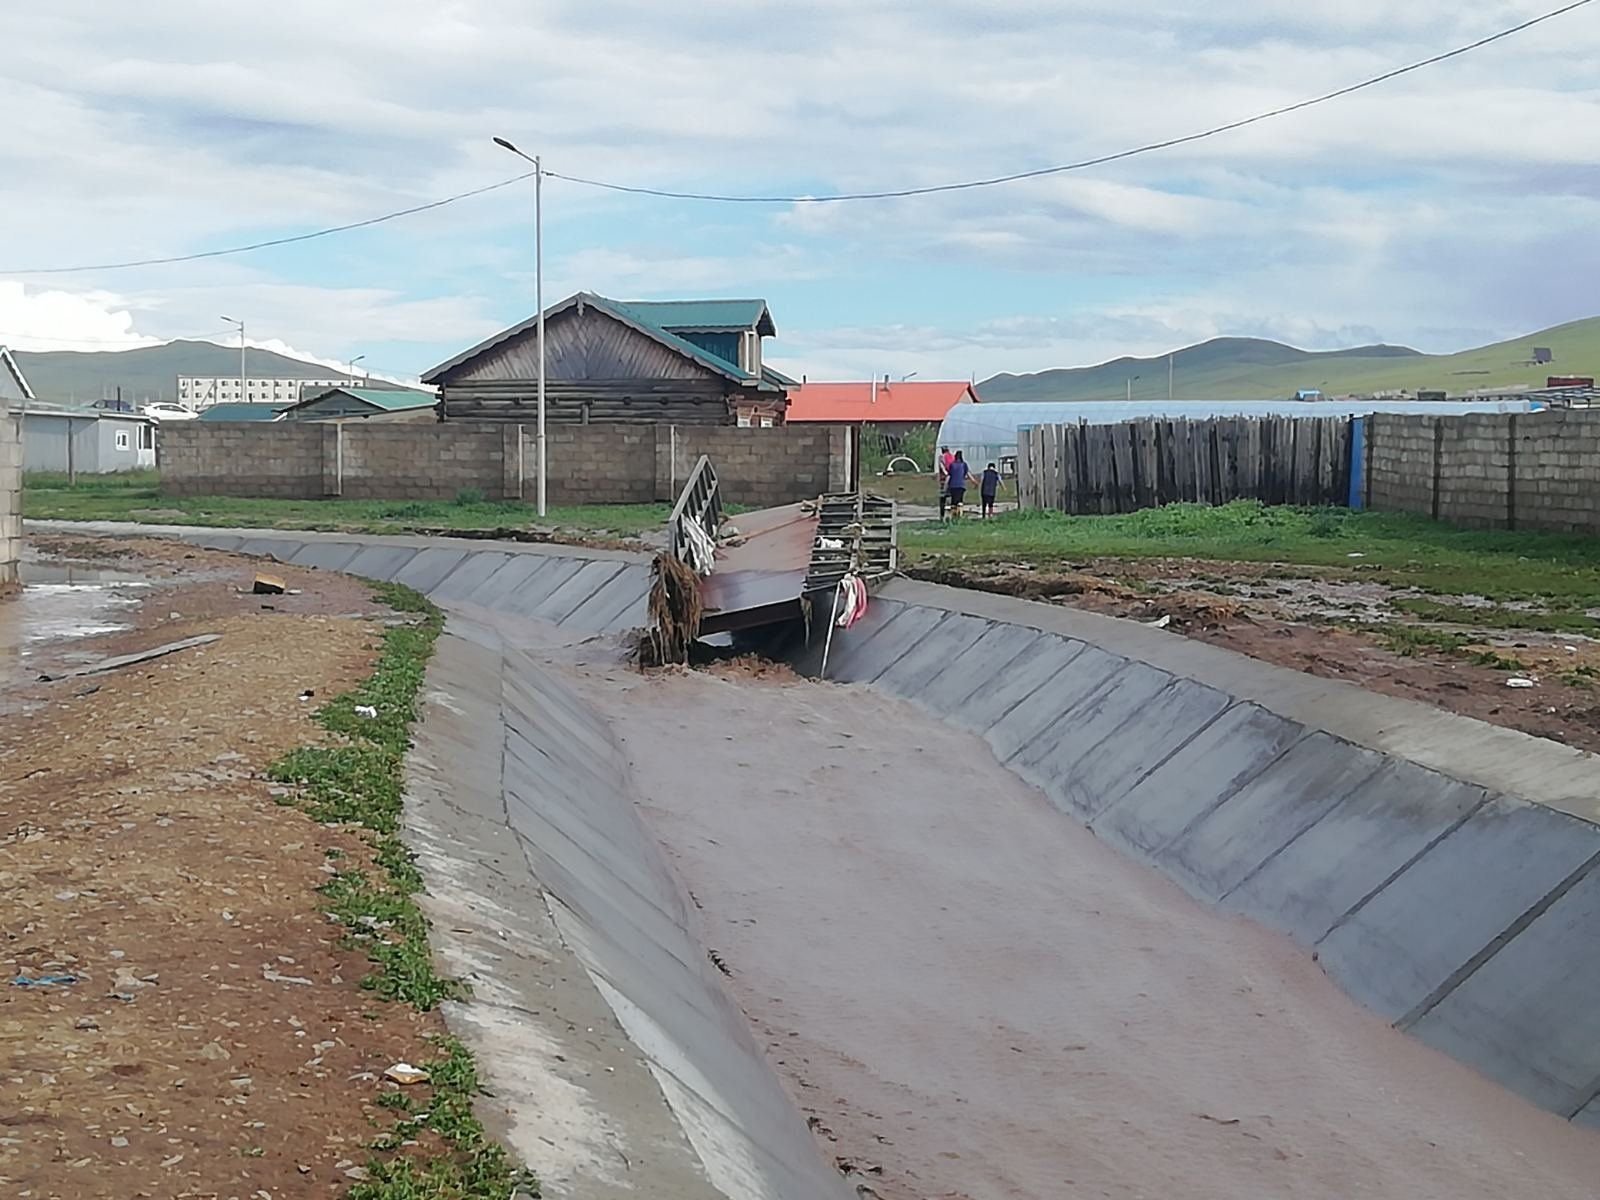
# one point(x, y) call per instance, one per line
point(358, 778)
point(1561, 571)
point(137, 497)
point(1412, 641)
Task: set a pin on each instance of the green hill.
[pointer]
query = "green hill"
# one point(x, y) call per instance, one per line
point(150, 372)
point(1254, 369)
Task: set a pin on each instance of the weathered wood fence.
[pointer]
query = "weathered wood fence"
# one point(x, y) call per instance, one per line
point(1160, 460)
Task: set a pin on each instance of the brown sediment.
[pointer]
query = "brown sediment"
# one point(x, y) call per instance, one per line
point(970, 996)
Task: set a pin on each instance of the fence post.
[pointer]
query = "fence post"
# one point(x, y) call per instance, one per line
point(1511, 471)
point(1358, 463)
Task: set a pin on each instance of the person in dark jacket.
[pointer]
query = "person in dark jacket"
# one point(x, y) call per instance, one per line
point(959, 475)
point(988, 488)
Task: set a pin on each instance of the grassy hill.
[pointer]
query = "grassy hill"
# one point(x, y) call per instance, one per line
point(1253, 369)
point(150, 372)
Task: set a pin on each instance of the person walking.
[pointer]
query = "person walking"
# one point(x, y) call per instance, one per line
point(941, 467)
point(988, 488)
point(959, 475)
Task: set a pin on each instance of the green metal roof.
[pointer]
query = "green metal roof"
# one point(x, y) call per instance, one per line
point(242, 412)
point(702, 315)
point(388, 399)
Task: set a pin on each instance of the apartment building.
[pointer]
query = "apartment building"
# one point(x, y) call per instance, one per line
point(202, 391)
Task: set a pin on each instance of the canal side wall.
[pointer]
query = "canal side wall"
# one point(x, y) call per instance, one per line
point(1445, 872)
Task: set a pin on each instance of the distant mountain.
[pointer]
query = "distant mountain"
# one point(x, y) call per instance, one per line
point(150, 372)
point(1256, 369)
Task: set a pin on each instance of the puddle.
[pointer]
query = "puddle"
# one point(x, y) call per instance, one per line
point(62, 602)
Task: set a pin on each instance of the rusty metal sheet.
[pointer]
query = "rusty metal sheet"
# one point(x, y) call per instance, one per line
point(756, 580)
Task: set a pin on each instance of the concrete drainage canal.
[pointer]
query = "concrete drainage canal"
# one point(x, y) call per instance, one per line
point(1024, 902)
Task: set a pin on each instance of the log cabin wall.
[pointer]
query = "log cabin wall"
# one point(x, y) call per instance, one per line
point(599, 371)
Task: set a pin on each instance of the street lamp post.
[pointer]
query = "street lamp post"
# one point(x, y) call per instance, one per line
point(353, 363)
point(538, 294)
point(1131, 378)
point(240, 324)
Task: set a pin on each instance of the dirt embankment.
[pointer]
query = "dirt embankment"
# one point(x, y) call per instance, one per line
point(178, 1017)
point(1332, 624)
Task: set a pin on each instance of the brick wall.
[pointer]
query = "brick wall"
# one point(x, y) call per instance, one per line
point(10, 498)
point(1524, 470)
point(589, 464)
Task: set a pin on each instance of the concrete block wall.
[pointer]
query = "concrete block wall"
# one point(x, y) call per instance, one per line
point(420, 462)
point(1489, 470)
point(10, 498)
point(278, 459)
point(588, 464)
point(1400, 463)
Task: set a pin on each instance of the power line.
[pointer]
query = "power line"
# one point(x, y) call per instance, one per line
point(283, 241)
point(888, 194)
point(1081, 164)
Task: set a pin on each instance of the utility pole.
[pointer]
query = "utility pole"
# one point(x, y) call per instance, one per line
point(240, 324)
point(1169, 377)
point(538, 293)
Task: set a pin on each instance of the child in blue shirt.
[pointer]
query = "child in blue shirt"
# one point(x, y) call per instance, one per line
point(988, 488)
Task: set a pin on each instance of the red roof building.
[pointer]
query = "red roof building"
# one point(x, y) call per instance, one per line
point(897, 405)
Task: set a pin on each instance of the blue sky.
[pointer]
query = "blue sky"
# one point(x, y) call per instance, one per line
point(1452, 207)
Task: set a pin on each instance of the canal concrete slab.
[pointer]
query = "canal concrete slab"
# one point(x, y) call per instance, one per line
point(915, 669)
point(1408, 941)
point(428, 569)
point(464, 582)
point(1090, 780)
point(1365, 840)
point(1045, 658)
point(380, 562)
point(1528, 1017)
point(326, 556)
point(1088, 669)
point(1196, 778)
point(1231, 841)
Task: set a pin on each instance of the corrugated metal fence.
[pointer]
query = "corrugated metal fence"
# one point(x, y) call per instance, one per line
point(1158, 460)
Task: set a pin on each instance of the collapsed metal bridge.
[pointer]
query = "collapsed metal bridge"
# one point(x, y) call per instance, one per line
point(771, 565)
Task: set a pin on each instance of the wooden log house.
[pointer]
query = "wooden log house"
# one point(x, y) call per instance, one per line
point(679, 362)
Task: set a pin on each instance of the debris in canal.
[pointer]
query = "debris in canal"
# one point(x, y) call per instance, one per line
point(675, 613)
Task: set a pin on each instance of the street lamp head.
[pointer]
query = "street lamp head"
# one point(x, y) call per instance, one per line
point(500, 141)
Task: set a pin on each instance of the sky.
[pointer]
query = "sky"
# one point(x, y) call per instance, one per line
point(1449, 208)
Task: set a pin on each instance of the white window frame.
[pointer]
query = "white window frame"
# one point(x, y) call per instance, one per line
point(743, 418)
point(122, 440)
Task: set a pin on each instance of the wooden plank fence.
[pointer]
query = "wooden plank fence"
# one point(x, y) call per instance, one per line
point(1164, 460)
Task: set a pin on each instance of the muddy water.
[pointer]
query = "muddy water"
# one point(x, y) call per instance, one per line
point(60, 603)
point(973, 996)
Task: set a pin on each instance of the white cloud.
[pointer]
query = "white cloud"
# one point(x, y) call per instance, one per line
point(170, 126)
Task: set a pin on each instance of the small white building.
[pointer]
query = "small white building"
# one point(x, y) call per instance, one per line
point(202, 391)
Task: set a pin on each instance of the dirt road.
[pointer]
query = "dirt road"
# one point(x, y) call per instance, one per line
point(973, 998)
point(177, 1017)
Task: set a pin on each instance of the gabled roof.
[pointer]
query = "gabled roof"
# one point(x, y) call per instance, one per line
point(9, 365)
point(705, 316)
point(916, 400)
point(387, 399)
point(638, 317)
point(242, 412)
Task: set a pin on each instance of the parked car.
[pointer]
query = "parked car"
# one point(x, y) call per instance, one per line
point(169, 412)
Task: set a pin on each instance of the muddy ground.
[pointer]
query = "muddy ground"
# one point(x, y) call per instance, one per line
point(200, 1030)
point(1331, 623)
